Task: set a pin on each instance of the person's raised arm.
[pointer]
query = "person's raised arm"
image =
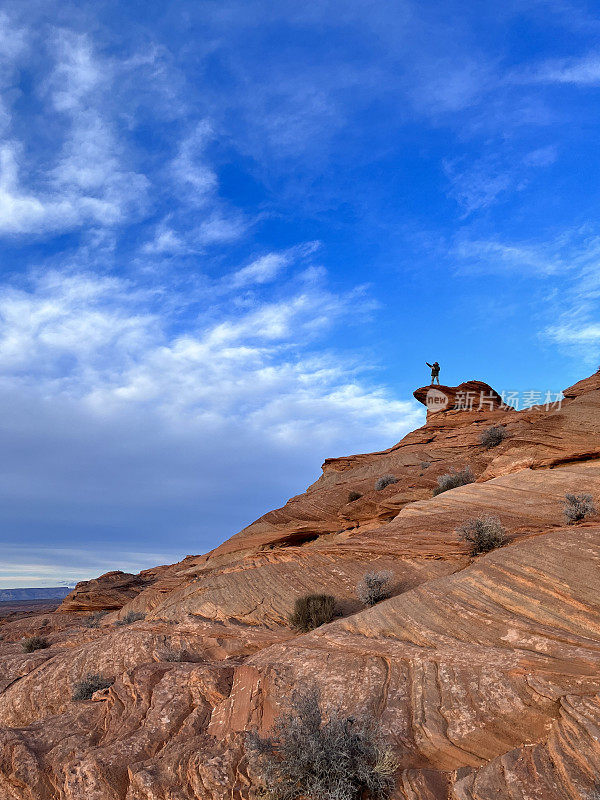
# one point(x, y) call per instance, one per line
point(429, 365)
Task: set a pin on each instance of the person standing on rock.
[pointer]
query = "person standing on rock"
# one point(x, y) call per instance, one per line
point(435, 372)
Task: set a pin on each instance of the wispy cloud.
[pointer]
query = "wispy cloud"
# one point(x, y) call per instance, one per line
point(478, 184)
point(578, 71)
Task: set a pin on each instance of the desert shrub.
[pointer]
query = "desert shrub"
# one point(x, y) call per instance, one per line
point(131, 616)
point(453, 479)
point(483, 534)
point(321, 756)
point(35, 643)
point(93, 682)
point(352, 496)
point(578, 507)
point(385, 480)
point(93, 621)
point(425, 464)
point(311, 611)
point(493, 436)
point(374, 586)
point(172, 655)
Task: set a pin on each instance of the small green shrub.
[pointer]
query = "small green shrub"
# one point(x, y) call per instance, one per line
point(374, 587)
point(35, 643)
point(311, 611)
point(453, 479)
point(578, 507)
point(483, 534)
point(352, 496)
point(385, 480)
point(321, 755)
point(93, 682)
point(493, 436)
point(131, 616)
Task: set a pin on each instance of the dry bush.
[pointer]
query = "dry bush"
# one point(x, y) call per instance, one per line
point(352, 496)
point(311, 611)
point(321, 755)
point(453, 479)
point(35, 643)
point(93, 682)
point(578, 507)
point(131, 616)
point(483, 534)
point(374, 586)
point(173, 655)
point(385, 480)
point(93, 621)
point(493, 436)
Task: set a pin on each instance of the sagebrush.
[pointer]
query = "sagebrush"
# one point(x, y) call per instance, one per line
point(131, 616)
point(578, 507)
point(34, 643)
point(93, 682)
point(453, 479)
point(311, 611)
point(93, 621)
point(374, 586)
point(483, 534)
point(385, 480)
point(173, 655)
point(493, 436)
point(321, 755)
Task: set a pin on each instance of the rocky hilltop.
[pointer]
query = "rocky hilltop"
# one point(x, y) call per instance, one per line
point(482, 671)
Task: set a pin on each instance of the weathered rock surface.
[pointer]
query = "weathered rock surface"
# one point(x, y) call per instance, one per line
point(484, 673)
point(109, 591)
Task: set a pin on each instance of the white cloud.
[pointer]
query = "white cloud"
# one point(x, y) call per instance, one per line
point(263, 270)
point(478, 184)
point(166, 241)
point(489, 255)
point(573, 71)
point(575, 335)
point(541, 157)
point(189, 169)
point(81, 179)
point(568, 301)
point(219, 228)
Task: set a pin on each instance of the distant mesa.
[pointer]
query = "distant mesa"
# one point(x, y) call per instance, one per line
point(468, 396)
point(41, 593)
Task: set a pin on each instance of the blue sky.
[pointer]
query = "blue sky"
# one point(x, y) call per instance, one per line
point(232, 232)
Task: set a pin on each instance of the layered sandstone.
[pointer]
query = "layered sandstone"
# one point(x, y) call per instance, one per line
point(484, 673)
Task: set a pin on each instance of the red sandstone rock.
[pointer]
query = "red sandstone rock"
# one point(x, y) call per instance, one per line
point(469, 396)
point(483, 673)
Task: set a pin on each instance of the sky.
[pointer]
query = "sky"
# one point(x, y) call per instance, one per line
point(233, 231)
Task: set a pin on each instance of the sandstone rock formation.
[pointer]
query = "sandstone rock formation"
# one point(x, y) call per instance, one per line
point(483, 673)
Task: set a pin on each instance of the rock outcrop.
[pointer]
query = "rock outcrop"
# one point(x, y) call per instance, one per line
point(483, 672)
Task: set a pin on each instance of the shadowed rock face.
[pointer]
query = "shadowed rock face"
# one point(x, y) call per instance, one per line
point(109, 591)
point(483, 673)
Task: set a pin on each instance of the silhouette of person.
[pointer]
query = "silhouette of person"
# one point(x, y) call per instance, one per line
point(435, 372)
